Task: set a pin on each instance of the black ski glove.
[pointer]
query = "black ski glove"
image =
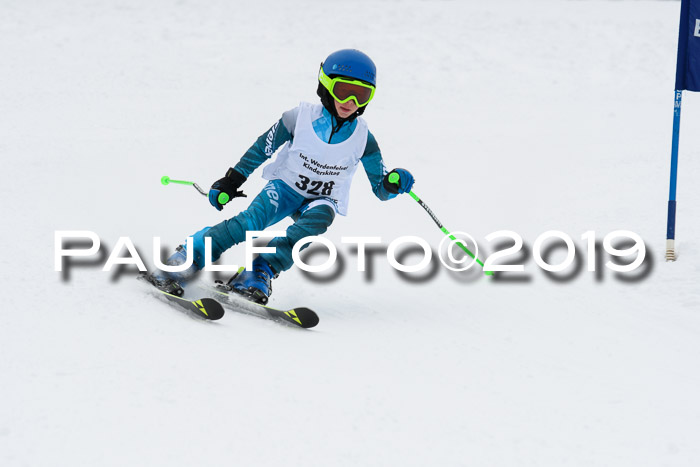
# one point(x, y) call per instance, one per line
point(227, 188)
point(398, 181)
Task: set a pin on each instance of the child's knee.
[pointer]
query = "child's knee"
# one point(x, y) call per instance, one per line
point(324, 213)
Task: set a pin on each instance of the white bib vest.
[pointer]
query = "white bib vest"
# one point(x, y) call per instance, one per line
point(314, 168)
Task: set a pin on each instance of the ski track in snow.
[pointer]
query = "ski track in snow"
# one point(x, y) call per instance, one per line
point(527, 116)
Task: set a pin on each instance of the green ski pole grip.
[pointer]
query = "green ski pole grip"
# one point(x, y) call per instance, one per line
point(394, 178)
point(223, 198)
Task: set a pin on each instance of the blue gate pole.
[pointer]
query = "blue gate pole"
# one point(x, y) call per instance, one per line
point(671, 223)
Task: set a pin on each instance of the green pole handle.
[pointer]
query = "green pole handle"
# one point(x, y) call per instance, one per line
point(394, 178)
point(223, 198)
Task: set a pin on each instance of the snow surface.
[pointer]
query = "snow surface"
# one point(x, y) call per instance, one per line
point(524, 115)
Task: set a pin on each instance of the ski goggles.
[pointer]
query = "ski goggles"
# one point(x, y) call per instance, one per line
point(344, 89)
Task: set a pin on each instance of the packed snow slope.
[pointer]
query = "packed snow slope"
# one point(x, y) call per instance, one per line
point(526, 116)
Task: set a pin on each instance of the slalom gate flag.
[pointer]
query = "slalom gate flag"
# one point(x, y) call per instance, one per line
point(687, 78)
point(688, 63)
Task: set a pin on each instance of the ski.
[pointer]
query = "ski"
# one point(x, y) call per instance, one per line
point(206, 308)
point(299, 317)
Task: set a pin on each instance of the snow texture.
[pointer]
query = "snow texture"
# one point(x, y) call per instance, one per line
point(527, 115)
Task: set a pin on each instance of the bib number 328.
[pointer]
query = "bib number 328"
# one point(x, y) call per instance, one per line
point(314, 187)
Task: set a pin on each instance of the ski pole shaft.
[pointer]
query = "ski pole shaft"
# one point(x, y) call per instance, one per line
point(165, 180)
point(394, 178)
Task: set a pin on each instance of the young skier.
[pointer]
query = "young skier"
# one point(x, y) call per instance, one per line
point(309, 180)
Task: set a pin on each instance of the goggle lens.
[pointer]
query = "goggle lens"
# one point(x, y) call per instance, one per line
point(343, 91)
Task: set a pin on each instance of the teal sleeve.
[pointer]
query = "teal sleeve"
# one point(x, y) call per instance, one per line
point(375, 169)
point(264, 147)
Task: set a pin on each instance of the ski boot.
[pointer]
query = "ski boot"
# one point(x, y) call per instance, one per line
point(255, 284)
point(170, 282)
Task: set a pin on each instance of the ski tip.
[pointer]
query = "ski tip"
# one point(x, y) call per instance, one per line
point(305, 317)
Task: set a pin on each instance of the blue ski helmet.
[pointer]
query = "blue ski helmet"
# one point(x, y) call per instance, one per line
point(351, 63)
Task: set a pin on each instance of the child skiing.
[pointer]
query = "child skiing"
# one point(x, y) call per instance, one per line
point(309, 180)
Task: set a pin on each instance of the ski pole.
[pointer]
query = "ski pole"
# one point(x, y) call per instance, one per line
point(394, 178)
point(165, 180)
